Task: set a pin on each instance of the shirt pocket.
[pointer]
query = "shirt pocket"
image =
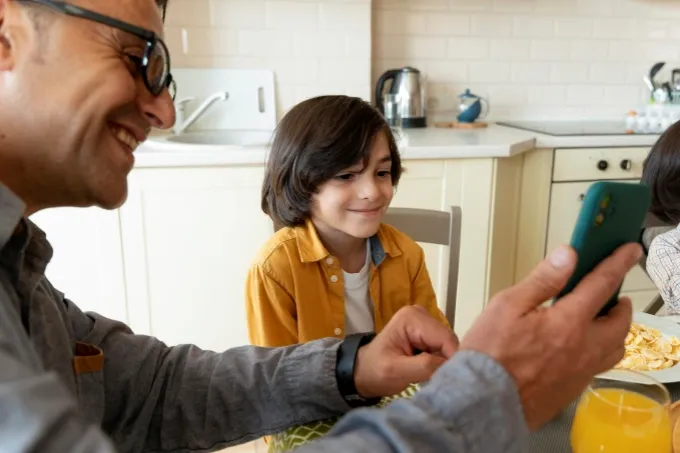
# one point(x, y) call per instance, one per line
point(395, 295)
point(88, 368)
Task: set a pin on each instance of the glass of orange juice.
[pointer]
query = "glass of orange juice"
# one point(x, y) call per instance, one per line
point(622, 411)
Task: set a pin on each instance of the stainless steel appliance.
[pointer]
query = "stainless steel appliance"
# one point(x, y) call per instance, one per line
point(408, 86)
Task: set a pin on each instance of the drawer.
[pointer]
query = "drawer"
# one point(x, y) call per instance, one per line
point(592, 164)
point(565, 205)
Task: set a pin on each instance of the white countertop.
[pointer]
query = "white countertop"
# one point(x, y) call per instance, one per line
point(430, 143)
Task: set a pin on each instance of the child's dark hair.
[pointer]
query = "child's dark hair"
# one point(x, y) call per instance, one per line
point(661, 173)
point(316, 140)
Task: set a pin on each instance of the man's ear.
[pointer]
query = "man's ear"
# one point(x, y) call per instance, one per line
point(6, 51)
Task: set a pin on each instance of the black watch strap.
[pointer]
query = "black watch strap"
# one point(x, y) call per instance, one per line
point(344, 369)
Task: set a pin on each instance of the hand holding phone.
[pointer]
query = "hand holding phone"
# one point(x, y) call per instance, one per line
point(612, 215)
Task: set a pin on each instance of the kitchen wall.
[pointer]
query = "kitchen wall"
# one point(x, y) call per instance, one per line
point(532, 58)
point(313, 46)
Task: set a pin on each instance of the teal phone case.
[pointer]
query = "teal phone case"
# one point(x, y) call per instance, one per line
point(612, 215)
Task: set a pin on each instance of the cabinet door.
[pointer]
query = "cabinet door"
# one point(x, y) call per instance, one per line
point(565, 204)
point(468, 183)
point(189, 235)
point(87, 264)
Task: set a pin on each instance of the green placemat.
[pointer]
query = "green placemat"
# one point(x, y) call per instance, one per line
point(299, 435)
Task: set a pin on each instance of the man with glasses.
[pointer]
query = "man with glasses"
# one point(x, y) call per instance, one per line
point(81, 84)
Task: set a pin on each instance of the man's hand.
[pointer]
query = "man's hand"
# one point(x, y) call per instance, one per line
point(389, 363)
point(553, 352)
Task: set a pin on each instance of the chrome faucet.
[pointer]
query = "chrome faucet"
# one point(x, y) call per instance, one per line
point(181, 124)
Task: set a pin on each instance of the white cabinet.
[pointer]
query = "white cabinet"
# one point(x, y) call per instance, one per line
point(485, 191)
point(87, 264)
point(189, 235)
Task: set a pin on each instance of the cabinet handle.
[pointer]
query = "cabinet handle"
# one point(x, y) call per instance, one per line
point(626, 164)
point(581, 197)
point(602, 165)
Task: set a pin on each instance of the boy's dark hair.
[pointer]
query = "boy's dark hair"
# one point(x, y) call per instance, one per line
point(661, 173)
point(316, 140)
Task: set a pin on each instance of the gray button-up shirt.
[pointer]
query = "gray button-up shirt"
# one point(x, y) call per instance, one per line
point(78, 382)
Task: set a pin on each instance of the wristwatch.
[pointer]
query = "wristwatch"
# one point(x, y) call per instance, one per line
point(344, 369)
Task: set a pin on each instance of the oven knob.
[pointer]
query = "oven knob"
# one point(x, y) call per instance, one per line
point(602, 165)
point(626, 164)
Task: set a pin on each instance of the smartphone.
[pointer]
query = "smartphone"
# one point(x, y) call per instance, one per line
point(612, 215)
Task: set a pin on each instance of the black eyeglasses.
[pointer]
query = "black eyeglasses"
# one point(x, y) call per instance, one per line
point(154, 65)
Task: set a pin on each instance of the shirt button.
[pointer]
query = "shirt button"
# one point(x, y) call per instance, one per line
point(338, 331)
point(329, 261)
point(334, 278)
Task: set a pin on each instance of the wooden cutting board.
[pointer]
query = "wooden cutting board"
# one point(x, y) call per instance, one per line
point(457, 125)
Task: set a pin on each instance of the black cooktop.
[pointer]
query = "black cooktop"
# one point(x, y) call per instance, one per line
point(565, 128)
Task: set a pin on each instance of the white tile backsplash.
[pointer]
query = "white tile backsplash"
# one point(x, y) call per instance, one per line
point(187, 14)
point(346, 16)
point(545, 57)
point(400, 23)
point(236, 14)
point(530, 72)
point(508, 49)
point(550, 50)
point(546, 95)
point(570, 72)
point(589, 50)
point(446, 24)
point(534, 26)
point(573, 27)
point(607, 73)
point(429, 5)
point(313, 46)
point(531, 57)
point(585, 94)
point(489, 72)
point(490, 26)
point(319, 43)
point(468, 49)
point(292, 15)
point(464, 5)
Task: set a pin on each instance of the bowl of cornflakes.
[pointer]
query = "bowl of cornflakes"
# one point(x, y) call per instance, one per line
point(652, 347)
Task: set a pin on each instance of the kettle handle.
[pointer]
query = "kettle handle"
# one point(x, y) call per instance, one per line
point(486, 104)
point(388, 75)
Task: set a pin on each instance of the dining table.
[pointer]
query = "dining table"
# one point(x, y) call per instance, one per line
point(553, 437)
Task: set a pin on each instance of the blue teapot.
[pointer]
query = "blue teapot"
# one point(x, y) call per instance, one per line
point(470, 107)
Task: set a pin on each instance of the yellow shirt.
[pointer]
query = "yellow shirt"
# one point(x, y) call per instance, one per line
point(295, 288)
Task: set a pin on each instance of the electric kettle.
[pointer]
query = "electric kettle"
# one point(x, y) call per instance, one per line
point(408, 85)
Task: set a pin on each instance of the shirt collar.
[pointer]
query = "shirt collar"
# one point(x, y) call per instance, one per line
point(27, 246)
point(311, 248)
point(12, 210)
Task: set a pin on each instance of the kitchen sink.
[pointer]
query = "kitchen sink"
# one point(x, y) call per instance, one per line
point(209, 139)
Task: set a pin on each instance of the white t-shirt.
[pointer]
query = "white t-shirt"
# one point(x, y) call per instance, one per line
point(358, 305)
